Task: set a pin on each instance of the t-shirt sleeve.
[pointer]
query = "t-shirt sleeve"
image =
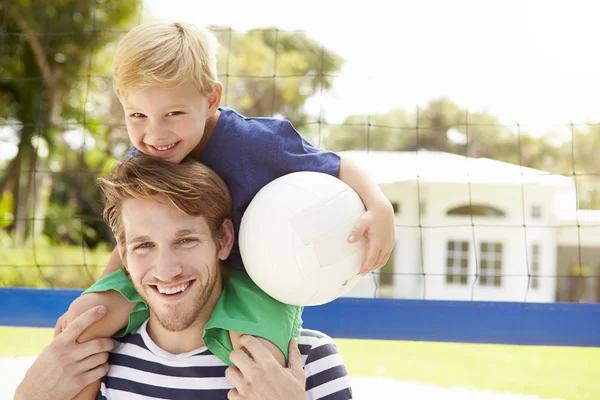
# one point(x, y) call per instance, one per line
point(325, 371)
point(133, 151)
point(285, 151)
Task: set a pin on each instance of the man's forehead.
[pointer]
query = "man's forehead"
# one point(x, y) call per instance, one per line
point(158, 217)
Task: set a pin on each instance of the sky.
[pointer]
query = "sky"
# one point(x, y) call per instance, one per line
point(530, 62)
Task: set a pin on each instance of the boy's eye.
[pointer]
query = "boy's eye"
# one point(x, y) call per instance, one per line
point(174, 113)
point(137, 115)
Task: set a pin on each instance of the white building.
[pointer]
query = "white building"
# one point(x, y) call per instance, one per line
point(481, 229)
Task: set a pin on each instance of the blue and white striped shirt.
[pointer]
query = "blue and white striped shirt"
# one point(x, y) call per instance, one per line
point(139, 369)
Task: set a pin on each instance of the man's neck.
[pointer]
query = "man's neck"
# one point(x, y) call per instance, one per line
point(176, 342)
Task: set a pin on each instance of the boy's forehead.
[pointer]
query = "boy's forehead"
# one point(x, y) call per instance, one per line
point(161, 96)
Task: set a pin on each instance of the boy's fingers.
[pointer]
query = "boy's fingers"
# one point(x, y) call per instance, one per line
point(370, 259)
point(358, 230)
point(81, 323)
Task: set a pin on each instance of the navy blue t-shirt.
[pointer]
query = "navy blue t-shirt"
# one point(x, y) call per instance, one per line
point(248, 153)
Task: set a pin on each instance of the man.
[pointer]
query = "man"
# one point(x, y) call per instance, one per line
point(173, 228)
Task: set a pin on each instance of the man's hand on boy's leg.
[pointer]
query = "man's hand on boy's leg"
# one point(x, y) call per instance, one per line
point(278, 354)
point(257, 375)
point(66, 366)
point(377, 226)
point(61, 324)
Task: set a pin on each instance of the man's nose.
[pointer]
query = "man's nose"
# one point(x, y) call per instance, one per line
point(168, 265)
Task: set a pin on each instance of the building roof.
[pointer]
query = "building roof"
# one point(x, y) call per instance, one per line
point(427, 166)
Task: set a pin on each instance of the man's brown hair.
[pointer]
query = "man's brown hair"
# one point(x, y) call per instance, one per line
point(190, 186)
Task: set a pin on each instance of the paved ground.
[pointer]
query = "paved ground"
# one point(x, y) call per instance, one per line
point(13, 369)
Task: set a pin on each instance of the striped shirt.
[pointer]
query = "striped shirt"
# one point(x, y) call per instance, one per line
point(139, 369)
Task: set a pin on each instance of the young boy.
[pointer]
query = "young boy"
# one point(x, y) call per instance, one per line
point(165, 77)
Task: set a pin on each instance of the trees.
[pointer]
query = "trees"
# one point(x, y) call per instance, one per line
point(50, 51)
point(268, 71)
point(56, 94)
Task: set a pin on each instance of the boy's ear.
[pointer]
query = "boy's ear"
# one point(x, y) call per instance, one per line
point(214, 100)
point(226, 241)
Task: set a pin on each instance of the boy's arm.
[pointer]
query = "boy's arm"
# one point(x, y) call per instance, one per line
point(113, 264)
point(377, 223)
point(369, 192)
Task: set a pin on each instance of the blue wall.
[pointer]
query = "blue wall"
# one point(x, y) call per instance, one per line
point(560, 324)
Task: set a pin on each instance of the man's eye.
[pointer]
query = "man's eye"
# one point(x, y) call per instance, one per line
point(144, 246)
point(188, 241)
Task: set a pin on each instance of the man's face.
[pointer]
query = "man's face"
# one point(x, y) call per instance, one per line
point(172, 260)
point(167, 123)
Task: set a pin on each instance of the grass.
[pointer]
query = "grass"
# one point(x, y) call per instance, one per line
point(568, 373)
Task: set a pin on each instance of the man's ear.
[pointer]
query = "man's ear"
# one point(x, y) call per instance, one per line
point(226, 240)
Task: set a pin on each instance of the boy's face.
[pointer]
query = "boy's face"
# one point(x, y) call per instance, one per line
point(172, 260)
point(168, 123)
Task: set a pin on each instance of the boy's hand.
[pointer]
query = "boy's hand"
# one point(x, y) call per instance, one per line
point(377, 225)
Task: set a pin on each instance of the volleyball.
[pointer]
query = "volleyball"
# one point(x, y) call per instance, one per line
point(293, 238)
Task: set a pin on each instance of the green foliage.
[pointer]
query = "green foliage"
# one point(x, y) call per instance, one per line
point(268, 71)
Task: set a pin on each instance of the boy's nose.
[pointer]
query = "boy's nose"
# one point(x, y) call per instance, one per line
point(156, 130)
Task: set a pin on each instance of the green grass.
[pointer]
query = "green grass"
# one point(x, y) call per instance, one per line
point(568, 373)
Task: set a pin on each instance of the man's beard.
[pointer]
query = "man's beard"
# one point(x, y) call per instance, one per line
point(178, 317)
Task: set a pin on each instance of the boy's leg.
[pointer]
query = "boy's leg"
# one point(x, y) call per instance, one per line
point(244, 309)
point(124, 313)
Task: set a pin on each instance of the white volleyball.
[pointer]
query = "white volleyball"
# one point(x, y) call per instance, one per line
point(293, 238)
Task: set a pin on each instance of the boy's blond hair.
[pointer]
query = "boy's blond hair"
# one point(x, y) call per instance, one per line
point(165, 54)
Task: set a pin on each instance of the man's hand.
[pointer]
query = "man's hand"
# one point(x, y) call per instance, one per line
point(258, 376)
point(61, 324)
point(65, 367)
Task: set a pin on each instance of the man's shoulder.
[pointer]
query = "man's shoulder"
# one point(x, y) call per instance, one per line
point(326, 374)
point(316, 345)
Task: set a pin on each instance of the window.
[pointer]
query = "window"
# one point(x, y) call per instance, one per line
point(534, 280)
point(476, 210)
point(491, 264)
point(457, 262)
